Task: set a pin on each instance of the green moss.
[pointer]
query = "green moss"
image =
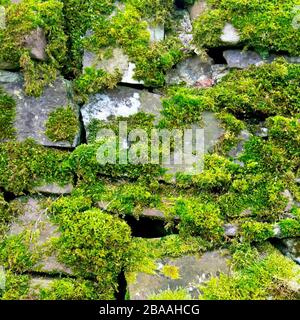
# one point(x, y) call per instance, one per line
point(178, 294)
point(62, 125)
point(263, 277)
point(290, 227)
point(171, 272)
point(256, 231)
point(16, 286)
point(7, 116)
point(71, 289)
point(21, 19)
point(94, 244)
point(24, 165)
point(265, 25)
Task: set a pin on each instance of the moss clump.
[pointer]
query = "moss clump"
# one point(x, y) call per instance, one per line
point(171, 272)
point(70, 289)
point(265, 25)
point(94, 244)
point(24, 165)
point(62, 125)
point(7, 116)
point(178, 294)
point(258, 277)
point(16, 286)
point(23, 18)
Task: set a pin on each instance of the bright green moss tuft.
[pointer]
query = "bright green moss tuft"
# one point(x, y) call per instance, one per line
point(62, 125)
point(178, 294)
point(24, 165)
point(7, 116)
point(265, 25)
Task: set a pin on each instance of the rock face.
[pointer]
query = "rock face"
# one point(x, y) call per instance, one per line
point(54, 189)
point(212, 130)
point(36, 43)
point(36, 221)
point(229, 34)
point(242, 59)
point(2, 18)
point(197, 9)
point(243, 137)
point(121, 101)
point(32, 113)
point(193, 271)
point(291, 248)
point(190, 71)
point(184, 30)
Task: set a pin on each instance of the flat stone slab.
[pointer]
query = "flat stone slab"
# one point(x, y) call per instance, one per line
point(120, 102)
point(54, 188)
point(32, 113)
point(193, 271)
point(242, 59)
point(35, 220)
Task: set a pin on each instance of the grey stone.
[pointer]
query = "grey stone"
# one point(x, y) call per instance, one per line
point(242, 59)
point(9, 77)
point(291, 248)
point(190, 71)
point(35, 220)
point(122, 101)
point(229, 34)
point(213, 130)
point(32, 113)
point(262, 132)
point(243, 137)
point(2, 17)
point(231, 230)
point(193, 271)
point(184, 30)
point(54, 188)
point(219, 71)
point(36, 43)
point(197, 9)
point(287, 194)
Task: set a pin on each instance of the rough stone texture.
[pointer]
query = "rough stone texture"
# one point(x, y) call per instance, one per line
point(197, 9)
point(191, 71)
point(219, 71)
point(35, 220)
point(290, 200)
point(231, 230)
point(291, 248)
point(237, 151)
point(121, 101)
point(212, 130)
point(185, 30)
point(32, 113)
point(242, 59)
point(229, 34)
point(54, 188)
point(2, 18)
point(119, 60)
point(193, 271)
point(36, 43)
point(9, 77)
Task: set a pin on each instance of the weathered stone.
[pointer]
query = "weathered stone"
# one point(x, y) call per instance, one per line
point(121, 101)
point(262, 132)
point(237, 151)
point(230, 230)
point(2, 17)
point(290, 200)
point(36, 43)
point(230, 34)
point(54, 188)
point(219, 71)
point(242, 59)
point(291, 248)
point(118, 61)
point(153, 214)
point(213, 130)
point(197, 9)
point(36, 221)
point(32, 113)
point(193, 271)
point(9, 77)
point(190, 71)
point(184, 30)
